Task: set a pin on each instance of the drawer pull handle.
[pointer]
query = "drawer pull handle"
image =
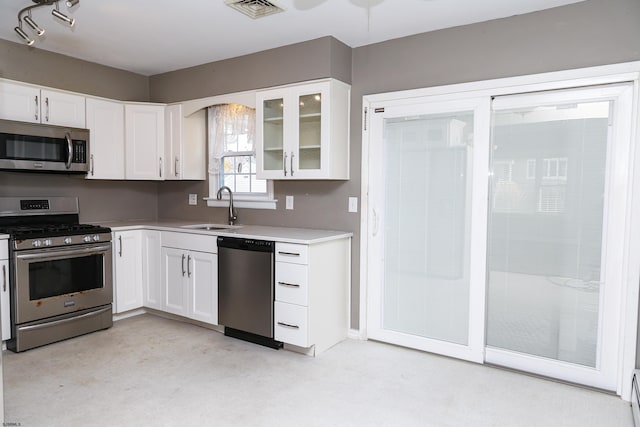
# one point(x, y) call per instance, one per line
point(286, 325)
point(288, 253)
point(291, 285)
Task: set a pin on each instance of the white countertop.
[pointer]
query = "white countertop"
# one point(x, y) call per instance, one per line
point(280, 234)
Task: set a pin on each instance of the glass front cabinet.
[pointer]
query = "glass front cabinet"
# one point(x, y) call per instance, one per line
point(302, 131)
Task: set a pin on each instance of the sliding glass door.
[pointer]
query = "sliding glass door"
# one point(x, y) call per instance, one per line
point(428, 295)
point(496, 228)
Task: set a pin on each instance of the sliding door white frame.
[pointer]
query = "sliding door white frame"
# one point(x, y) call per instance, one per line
point(618, 73)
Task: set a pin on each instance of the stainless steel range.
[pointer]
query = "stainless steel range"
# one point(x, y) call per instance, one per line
point(61, 278)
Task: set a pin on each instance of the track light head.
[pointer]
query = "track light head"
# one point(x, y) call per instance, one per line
point(24, 36)
point(39, 31)
point(71, 3)
point(61, 16)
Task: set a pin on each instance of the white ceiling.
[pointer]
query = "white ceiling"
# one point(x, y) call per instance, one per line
point(155, 36)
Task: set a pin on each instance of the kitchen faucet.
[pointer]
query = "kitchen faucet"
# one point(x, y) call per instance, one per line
point(233, 214)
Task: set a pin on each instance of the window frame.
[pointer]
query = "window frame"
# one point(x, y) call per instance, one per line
point(241, 200)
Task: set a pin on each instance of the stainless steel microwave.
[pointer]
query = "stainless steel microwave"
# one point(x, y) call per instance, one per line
point(38, 147)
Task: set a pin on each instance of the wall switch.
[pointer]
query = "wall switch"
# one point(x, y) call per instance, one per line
point(289, 203)
point(193, 199)
point(353, 204)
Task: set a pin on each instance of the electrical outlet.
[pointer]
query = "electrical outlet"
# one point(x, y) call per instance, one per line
point(353, 204)
point(193, 199)
point(289, 203)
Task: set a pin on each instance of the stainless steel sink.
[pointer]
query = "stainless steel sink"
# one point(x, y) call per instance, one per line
point(210, 227)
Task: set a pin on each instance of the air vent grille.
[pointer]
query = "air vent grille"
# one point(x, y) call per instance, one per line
point(254, 8)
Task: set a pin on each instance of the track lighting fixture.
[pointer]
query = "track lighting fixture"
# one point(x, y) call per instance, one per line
point(39, 31)
point(28, 40)
point(61, 16)
point(25, 16)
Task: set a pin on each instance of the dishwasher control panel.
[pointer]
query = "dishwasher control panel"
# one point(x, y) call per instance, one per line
point(246, 244)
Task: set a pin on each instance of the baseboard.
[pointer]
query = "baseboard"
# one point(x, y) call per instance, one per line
point(127, 314)
point(356, 334)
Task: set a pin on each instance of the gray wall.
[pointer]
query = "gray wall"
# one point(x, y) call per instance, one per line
point(593, 32)
point(100, 201)
point(37, 66)
point(314, 59)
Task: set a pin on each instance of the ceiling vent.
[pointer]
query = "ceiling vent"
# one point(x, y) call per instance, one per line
point(254, 8)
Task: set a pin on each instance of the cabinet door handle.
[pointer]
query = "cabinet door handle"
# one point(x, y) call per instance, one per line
point(288, 253)
point(291, 163)
point(4, 278)
point(120, 251)
point(189, 266)
point(286, 325)
point(183, 265)
point(284, 163)
point(91, 157)
point(37, 108)
point(46, 103)
point(176, 167)
point(290, 285)
point(160, 167)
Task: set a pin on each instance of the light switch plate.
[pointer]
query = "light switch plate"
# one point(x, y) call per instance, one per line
point(289, 202)
point(353, 204)
point(193, 199)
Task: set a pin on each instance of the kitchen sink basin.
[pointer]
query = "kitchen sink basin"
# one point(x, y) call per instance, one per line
point(211, 227)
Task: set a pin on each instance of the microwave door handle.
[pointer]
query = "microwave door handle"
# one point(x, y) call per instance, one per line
point(67, 135)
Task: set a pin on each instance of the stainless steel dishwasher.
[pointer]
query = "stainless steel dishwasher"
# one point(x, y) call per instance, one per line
point(246, 289)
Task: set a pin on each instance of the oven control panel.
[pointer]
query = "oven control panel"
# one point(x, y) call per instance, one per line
point(58, 241)
point(33, 205)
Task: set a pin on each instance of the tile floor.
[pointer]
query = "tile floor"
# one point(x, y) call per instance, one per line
point(152, 371)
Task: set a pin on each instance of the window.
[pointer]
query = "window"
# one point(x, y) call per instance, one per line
point(232, 157)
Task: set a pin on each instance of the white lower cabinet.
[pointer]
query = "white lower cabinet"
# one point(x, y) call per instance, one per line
point(190, 276)
point(312, 293)
point(127, 265)
point(151, 274)
point(136, 278)
point(5, 300)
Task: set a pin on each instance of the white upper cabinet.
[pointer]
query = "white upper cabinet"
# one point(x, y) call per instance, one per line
point(302, 131)
point(185, 144)
point(144, 141)
point(105, 121)
point(31, 104)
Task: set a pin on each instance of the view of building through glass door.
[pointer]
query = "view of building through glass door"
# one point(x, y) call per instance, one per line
point(552, 287)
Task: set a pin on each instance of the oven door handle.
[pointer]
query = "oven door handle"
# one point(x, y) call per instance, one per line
point(64, 253)
point(62, 321)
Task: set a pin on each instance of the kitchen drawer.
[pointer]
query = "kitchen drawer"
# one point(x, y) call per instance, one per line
point(292, 284)
point(4, 249)
point(291, 252)
point(291, 324)
point(189, 241)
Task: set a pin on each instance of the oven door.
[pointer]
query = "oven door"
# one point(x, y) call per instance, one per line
point(50, 282)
